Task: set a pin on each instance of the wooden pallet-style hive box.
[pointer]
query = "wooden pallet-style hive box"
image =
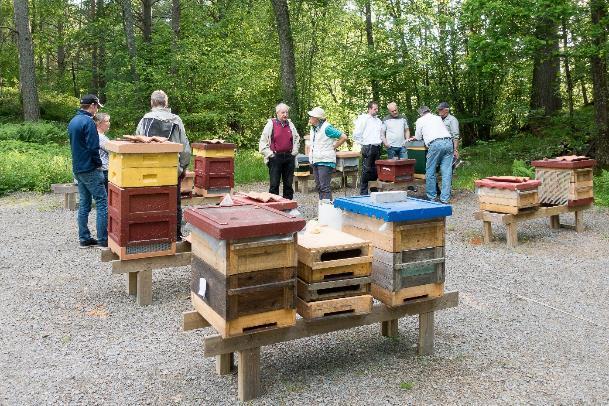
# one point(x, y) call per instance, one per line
point(395, 271)
point(208, 149)
point(507, 194)
point(566, 180)
point(395, 170)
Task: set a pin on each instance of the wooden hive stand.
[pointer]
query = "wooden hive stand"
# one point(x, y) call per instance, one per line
point(139, 271)
point(511, 221)
point(301, 182)
point(247, 346)
point(69, 192)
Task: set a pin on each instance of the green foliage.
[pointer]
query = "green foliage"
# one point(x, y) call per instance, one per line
point(39, 132)
point(601, 189)
point(249, 167)
point(29, 166)
point(520, 168)
point(55, 106)
point(406, 385)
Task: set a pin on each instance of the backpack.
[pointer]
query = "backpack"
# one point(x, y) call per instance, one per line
point(155, 127)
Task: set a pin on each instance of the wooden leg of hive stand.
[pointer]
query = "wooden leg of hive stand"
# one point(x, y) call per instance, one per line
point(248, 375)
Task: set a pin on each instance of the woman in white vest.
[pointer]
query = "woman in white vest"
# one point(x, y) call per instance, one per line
point(325, 139)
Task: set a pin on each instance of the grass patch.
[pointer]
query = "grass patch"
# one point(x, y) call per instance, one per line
point(249, 167)
point(26, 166)
point(406, 385)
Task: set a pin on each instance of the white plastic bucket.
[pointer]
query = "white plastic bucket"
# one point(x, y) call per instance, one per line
point(329, 215)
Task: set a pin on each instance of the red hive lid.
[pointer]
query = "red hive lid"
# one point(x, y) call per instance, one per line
point(395, 162)
point(277, 202)
point(213, 145)
point(508, 183)
point(242, 221)
point(565, 162)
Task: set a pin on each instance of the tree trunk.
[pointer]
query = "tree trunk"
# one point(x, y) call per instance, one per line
point(599, 82)
point(27, 72)
point(130, 37)
point(370, 39)
point(584, 92)
point(286, 52)
point(175, 27)
point(147, 20)
point(61, 54)
point(101, 54)
point(546, 69)
point(94, 86)
point(568, 77)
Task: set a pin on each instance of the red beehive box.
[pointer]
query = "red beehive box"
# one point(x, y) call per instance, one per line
point(152, 229)
point(205, 165)
point(276, 202)
point(242, 221)
point(395, 170)
point(214, 180)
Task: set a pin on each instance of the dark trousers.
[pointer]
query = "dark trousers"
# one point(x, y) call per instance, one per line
point(323, 176)
point(106, 180)
point(179, 211)
point(370, 153)
point(281, 168)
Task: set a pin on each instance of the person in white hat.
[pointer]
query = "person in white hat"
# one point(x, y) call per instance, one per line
point(325, 139)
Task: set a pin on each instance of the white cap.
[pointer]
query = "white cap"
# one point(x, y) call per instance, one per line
point(318, 112)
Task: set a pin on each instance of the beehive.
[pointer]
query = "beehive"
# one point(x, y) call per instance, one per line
point(507, 194)
point(566, 180)
point(395, 170)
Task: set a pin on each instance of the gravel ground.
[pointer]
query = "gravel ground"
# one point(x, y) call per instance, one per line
point(532, 325)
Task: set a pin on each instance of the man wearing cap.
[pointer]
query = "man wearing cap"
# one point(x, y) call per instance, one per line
point(438, 140)
point(160, 121)
point(87, 169)
point(395, 132)
point(325, 139)
point(452, 125)
point(279, 144)
point(367, 133)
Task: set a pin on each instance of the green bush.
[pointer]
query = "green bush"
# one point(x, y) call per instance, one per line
point(10, 106)
point(39, 132)
point(601, 189)
point(57, 106)
point(28, 166)
point(249, 167)
point(520, 168)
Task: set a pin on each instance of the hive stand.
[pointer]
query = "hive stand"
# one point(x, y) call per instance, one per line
point(389, 186)
point(248, 346)
point(69, 192)
point(511, 221)
point(303, 180)
point(139, 271)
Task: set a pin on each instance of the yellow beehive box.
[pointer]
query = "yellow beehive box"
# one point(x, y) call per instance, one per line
point(214, 153)
point(142, 177)
point(162, 160)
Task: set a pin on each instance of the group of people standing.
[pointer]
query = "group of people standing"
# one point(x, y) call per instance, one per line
point(90, 159)
point(279, 144)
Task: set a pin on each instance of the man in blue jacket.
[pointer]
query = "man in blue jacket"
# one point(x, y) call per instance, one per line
point(87, 169)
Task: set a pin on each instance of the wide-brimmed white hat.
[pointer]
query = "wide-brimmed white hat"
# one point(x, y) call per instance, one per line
point(318, 112)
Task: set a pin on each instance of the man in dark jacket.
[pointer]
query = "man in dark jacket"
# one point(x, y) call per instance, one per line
point(87, 169)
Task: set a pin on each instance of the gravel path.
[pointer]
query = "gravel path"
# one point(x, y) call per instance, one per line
point(532, 325)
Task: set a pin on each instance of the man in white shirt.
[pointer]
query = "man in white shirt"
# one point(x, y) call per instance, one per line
point(395, 132)
point(438, 140)
point(367, 133)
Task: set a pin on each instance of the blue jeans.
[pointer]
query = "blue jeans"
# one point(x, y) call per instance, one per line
point(440, 153)
point(91, 184)
point(400, 152)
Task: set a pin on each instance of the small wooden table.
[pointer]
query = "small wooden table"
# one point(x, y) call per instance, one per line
point(139, 271)
point(69, 191)
point(248, 346)
point(511, 220)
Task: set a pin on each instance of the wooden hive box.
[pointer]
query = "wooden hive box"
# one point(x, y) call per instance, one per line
point(331, 254)
point(395, 170)
point(243, 294)
point(210, 181)
point(230, 257)
point(396, 236)
point(354, 305)
point(347, 160)
point(395, 271)
point(188, 183)
point(214, 165)
point(332, 289)
point(406, 295)
point(213, 149)
point(507, 194)
point(566, 180)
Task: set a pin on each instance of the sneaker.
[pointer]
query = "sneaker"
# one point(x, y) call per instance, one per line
point(91, 242)
point(103, 244)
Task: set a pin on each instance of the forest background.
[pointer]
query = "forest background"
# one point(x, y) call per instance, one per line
point(527, 79)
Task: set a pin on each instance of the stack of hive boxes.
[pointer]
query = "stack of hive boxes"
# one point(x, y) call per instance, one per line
point(142, 198)
point(565, 180)
point(302, 166)
point(214, 168)
point(507, 194)
point(347, 161)
point(408, 238)
point(333, 273)
point(243, 267)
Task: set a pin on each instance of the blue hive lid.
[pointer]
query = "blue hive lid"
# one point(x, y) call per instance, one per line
point(407, 210)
